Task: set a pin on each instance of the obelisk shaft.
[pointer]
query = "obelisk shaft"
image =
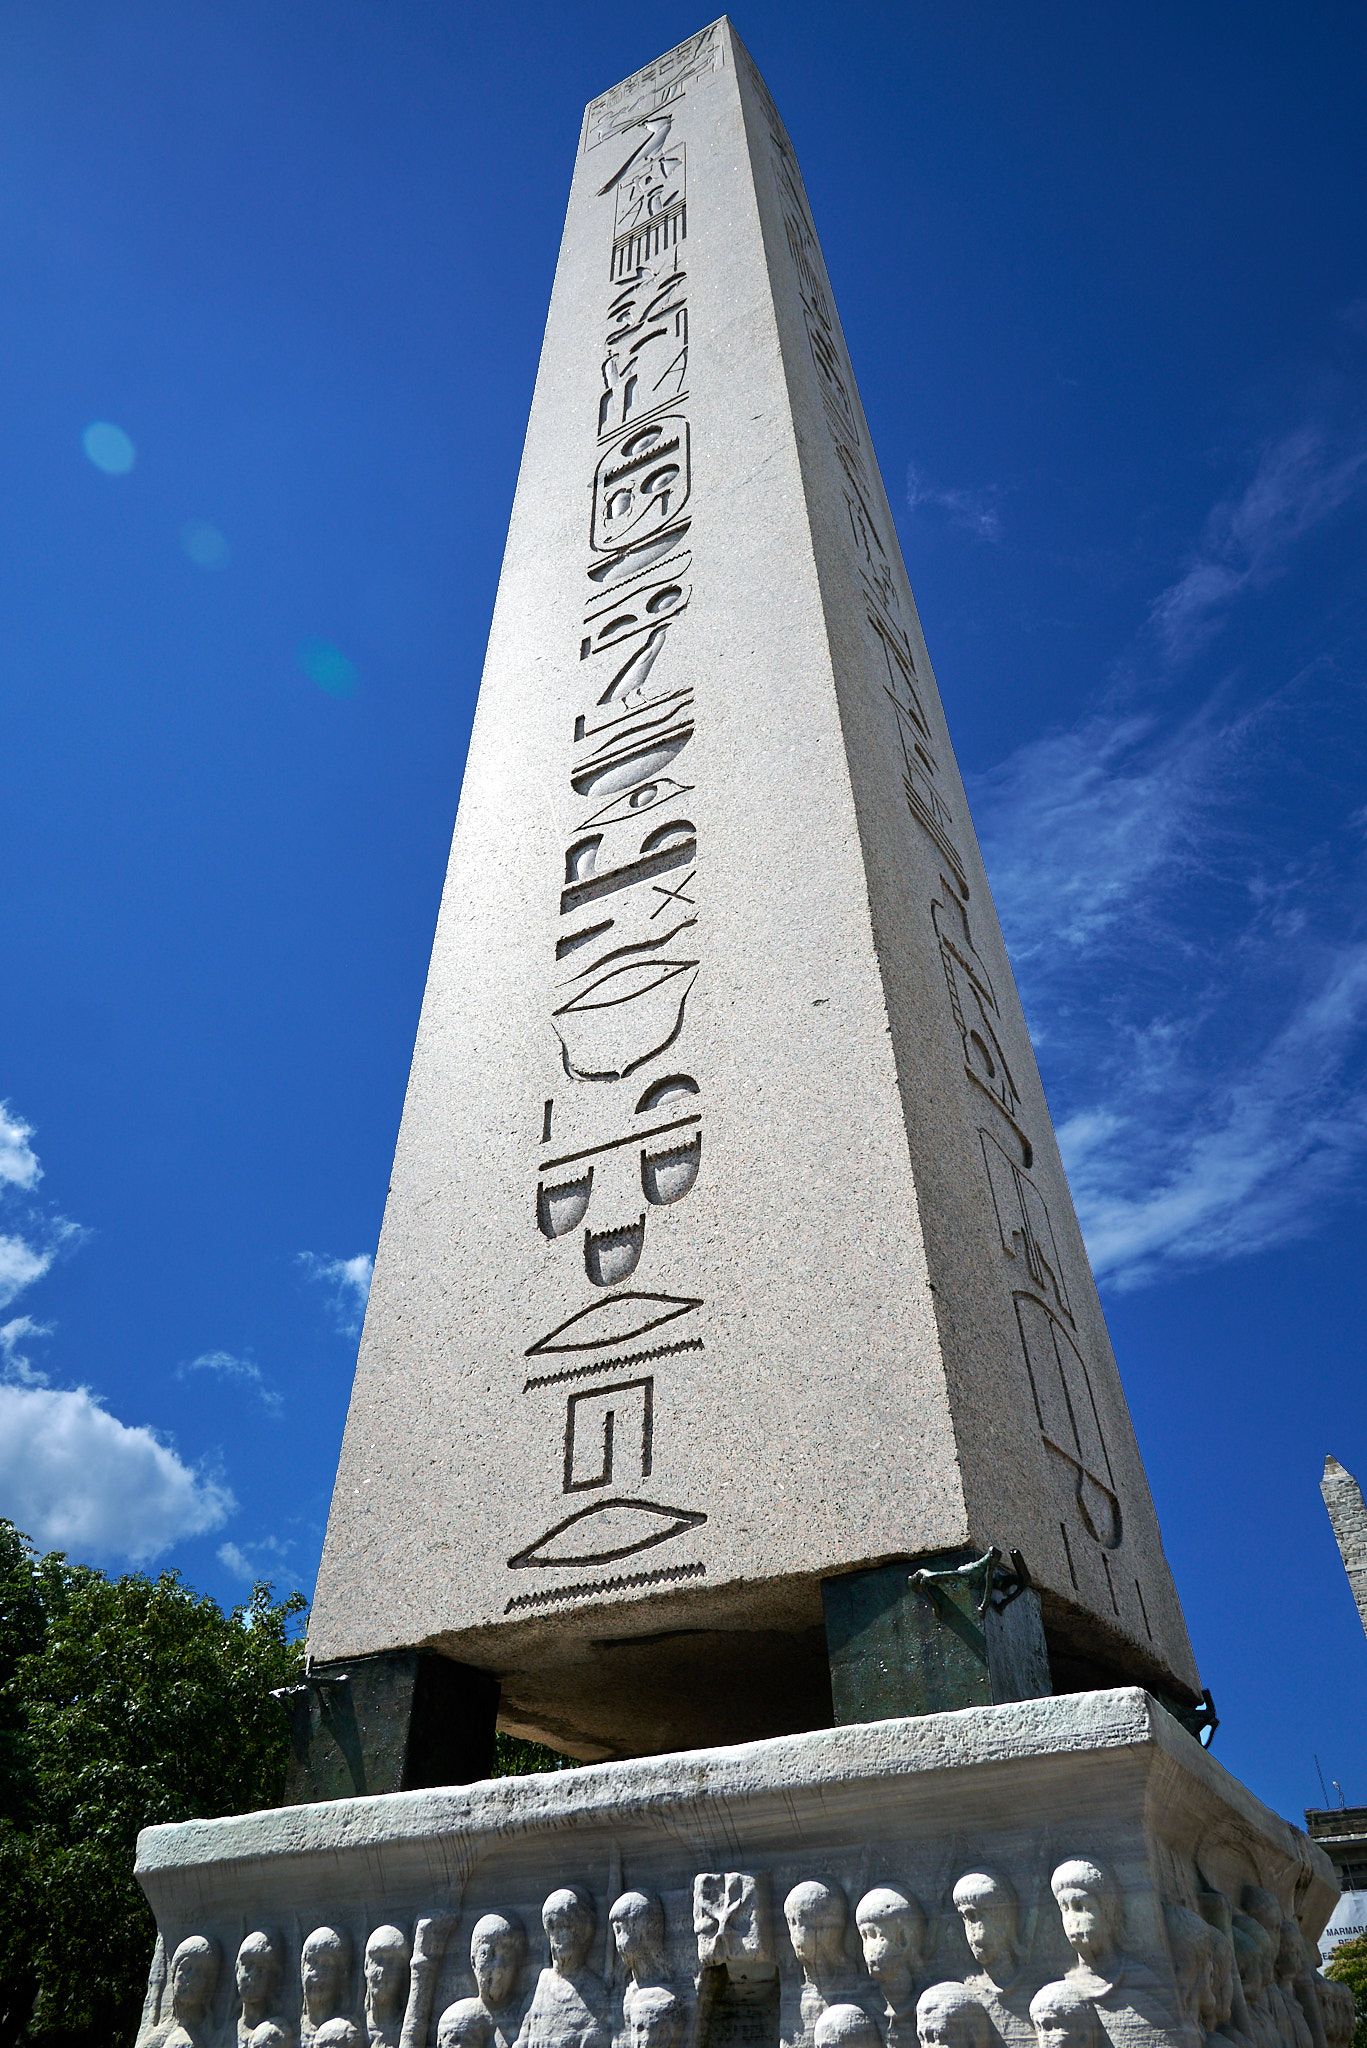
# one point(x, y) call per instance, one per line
point(728, 1247)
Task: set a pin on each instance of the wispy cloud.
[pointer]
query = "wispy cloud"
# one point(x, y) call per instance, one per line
point(18, 1162)
point(228, 1367)
point(31, 1240)
point(74, 1477)
point(1252, 1162)
point(1297, 482)
point(1081, 822)
point(15, 1365)
point(1192, 959)
point(254, 1561)
point(975, 510)
point(347, 1283)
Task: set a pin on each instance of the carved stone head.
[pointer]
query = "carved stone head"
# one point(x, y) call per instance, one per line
point(466, 2024)
point(257, 1972)
point(498, 1945)
point(270, 2034)
point(1193, 1963)
point(816, 1915)
point(892, 1932)
point(324, 1965)
point(569, 1920)
point(638, 1930)
point(1252, 1955)
point(846, 2026)
point(1064, 2017)
point(948, 2016)
point(337, 2033)
point(658, 2019)
point(986, 1903)
point(1089, 1904)
point(386, 1970)
point(194, 1978)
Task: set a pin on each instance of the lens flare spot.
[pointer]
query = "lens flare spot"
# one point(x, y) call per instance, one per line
point(327, 666)
point(204, 544)
point(109, 448)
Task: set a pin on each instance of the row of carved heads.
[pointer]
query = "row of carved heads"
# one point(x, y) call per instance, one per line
point(1241, 1977)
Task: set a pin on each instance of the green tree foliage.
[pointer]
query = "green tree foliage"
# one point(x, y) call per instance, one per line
point(1349, 1965)
point(514, 1758)
point(123, 1702)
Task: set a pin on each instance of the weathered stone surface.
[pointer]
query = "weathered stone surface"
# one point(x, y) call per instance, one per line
point(1347, 1513)
point(812, 1890)
point(728, 1247)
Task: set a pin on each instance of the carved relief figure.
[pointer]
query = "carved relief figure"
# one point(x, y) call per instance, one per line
point(949, 2016)
point(258, 1974)
point(846, 2026)
point(1231, 2014)
point(1280, 1994)
point(466, 2024)
point(324, 1966)
point(498, 1951)
point(569, 2006)
point(658, 2019)
point(892, 1933)
point(638, 1936)
point(386, 1986)
point(193, 1982)
point(1297, 1973)
point(1064, 2017)
point(1193, 1968)
point(337, 2033)
point(271, 2034)
point(1253, 1961)
point(817, 1915)
point(1132, 2005)
point(987, 1905)
point(731, 1919)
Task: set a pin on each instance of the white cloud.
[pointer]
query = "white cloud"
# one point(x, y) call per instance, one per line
point(348, 1285)
point(20, 1265)
point(15, 1365)
point(1079, 822)
point(18, 1162)
point(265, 1555)
point(226, 1366)
point(975, 510)
point(1298, 482)
point(1251, 1162)
point(1184, 915)
point(74, 1477)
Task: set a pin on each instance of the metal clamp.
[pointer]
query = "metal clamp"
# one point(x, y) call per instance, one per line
point(1000, 1584)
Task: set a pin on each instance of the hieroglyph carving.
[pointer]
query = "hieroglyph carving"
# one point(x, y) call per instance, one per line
point(627, 954)
point(885, 618)
point(1209, 1972)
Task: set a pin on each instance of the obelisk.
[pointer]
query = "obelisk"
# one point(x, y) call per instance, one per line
point(728, 1256)
point(733, 1365)
point(1348, 1517)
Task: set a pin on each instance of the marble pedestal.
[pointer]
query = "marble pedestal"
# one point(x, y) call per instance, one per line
point(754, 1868)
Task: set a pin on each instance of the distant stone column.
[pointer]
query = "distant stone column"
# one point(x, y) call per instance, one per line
point(1348, 1513)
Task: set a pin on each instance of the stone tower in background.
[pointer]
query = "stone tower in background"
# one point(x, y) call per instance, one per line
point(728, 1254)
point(1348, 1514)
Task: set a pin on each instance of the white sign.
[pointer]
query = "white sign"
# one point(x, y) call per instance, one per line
point(1348, 1920)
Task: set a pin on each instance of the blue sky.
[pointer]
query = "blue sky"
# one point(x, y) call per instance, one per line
point(1103, 277)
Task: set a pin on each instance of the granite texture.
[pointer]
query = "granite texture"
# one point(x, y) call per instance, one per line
point(1348, 1515)
point(728, 1246)
point(1081, 1844)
